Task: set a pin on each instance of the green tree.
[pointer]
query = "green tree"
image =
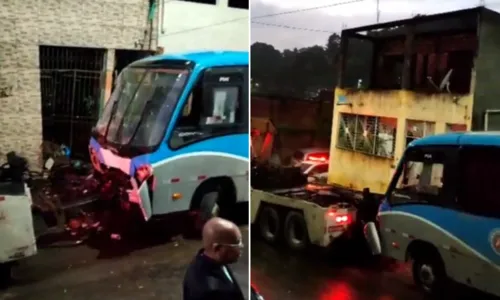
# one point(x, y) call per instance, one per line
point(303, 72)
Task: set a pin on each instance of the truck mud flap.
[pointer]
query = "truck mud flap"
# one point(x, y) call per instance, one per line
point(372, 238)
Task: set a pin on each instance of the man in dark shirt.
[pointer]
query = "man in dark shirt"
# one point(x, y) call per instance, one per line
point(208, 277)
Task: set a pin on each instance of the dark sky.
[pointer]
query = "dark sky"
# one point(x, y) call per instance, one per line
point(332, 19)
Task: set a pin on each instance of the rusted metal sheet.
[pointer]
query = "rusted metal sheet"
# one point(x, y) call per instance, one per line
point(16, 227)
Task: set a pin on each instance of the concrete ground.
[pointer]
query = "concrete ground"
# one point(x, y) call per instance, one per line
point(148, 270)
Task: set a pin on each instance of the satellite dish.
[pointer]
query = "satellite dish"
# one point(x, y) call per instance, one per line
point(445, 83)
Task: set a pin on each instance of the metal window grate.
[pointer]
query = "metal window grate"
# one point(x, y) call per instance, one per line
point(71, 82)
point(70, 58)
point(418, 129)
point(367, 134)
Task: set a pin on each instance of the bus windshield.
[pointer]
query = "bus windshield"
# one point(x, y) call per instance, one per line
point(141, 106)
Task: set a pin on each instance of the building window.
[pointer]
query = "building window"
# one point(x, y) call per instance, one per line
point(212, 2)
point(456, 127)
point(243, 4)
point(418, 129)
point(367, 134)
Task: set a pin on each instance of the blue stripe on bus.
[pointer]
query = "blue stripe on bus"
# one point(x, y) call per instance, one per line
point(237, 145)
point(470, 229)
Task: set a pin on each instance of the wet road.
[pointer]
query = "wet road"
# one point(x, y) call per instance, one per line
point(349, 274)
point(151, 272)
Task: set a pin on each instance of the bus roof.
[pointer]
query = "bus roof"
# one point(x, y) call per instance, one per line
point(206, 58)
point(486, 138)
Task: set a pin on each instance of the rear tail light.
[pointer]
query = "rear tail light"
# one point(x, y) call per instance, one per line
point(317, 157)
point(340, 218)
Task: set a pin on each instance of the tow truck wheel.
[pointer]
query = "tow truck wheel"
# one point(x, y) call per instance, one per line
point(269, 224)
point(429, 273)
point(296, 234)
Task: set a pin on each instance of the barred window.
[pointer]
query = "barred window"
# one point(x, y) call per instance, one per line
point(418, 129)
point(367, 134)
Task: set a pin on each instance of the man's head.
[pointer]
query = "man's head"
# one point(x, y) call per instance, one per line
point(222, 241)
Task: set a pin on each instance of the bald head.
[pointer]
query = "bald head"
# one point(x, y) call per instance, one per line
point(222, 241)
point(220, 231)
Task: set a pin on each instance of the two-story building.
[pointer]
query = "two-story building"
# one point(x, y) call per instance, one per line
point(425, 75)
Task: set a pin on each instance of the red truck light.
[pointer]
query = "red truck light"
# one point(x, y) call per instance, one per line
point(340, 218)
point(317, 157)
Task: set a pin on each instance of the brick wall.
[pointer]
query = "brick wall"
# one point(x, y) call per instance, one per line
point(26, 24)
point(300, 123)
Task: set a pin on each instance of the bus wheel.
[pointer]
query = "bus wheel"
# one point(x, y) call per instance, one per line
point(269, 224)
point(429, 272)
point(296, 234)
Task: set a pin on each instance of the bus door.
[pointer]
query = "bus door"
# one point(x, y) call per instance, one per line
point(478, 200)
point(419, 195)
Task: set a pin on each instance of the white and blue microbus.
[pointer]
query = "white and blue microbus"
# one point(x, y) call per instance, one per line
point(442, 212)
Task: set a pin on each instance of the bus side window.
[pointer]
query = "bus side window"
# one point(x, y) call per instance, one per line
point(479, 181)
point(421, 179)
point(212, 109)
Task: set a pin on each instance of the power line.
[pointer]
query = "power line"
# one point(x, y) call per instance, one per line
point(206, 26)
point(264, 16)
point(292, 27)
point(306, 9)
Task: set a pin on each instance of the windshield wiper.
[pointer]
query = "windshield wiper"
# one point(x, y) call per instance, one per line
point(113, 111)
point(119, 131)
point(144, 111)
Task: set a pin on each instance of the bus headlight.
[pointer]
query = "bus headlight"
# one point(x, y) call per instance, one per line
point(145, 173)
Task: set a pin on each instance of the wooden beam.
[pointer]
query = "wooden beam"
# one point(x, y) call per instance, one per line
point(408, 53)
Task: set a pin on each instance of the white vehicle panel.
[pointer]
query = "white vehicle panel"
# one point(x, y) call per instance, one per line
point(16, 227)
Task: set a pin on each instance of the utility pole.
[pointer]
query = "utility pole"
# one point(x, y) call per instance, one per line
point(378, 11)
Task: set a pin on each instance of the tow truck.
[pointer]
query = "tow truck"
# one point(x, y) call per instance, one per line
point(286, 205)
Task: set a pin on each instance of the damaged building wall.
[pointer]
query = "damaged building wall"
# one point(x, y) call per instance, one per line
point(108, 24)
point(355, 168)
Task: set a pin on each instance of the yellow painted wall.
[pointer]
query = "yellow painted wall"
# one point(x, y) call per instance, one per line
point(357, 170)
